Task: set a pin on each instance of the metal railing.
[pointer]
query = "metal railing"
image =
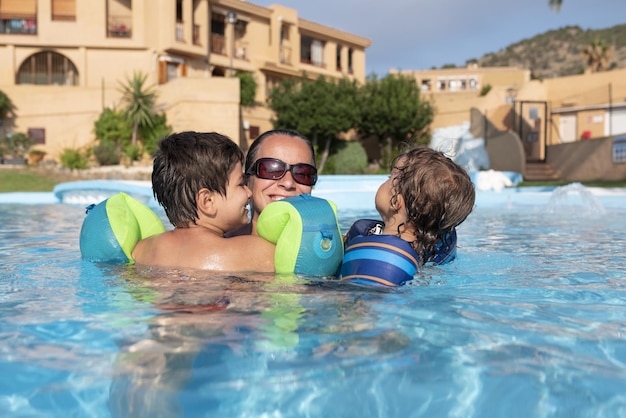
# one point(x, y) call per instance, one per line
point(119, 26)
point(26, 26)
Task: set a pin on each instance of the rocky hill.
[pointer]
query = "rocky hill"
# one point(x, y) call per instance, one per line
point(557, 52)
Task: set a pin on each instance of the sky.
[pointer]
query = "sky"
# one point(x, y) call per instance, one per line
point(421, 34)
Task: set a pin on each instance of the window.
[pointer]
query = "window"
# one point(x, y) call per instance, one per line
point(218, 30)
point(119, 18)
point(47, 68)
point(171, 68)
point(196, 28)
point(284, 33)
point(285, 45)
point(18, 16)
point(338, 59)
point(64, 10)
point(38, 135)
point(311, 51)
point(180, 28)
point(350, 68)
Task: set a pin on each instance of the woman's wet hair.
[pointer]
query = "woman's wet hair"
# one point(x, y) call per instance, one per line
point(253, 151)
point(187, 162)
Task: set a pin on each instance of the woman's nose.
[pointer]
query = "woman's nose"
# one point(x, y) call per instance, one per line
point(287, 181)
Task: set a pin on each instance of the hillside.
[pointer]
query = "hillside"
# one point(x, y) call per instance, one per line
point(557, 52)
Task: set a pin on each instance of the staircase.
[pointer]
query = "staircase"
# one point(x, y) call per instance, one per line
point(539, 172)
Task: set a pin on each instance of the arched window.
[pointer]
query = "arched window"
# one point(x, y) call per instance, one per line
point(48, 68)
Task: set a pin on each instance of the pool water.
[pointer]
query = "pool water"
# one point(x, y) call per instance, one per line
point(529, 321)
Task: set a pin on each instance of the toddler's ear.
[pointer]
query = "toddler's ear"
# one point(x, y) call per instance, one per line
point(205, 201)
point(397, 204)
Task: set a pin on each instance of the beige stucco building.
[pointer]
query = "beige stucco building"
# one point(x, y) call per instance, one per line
point(63, 61)
point(574, 125)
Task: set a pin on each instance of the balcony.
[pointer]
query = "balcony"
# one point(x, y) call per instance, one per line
point(218, 44)
point(119, 27)
point(196, 35)
point(312, 62)
point(26, 26)
point(180, 31)
point(285, 55)
point(241, 49)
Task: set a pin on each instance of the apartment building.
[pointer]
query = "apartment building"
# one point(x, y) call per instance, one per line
point(542, 112)
point(63, 61)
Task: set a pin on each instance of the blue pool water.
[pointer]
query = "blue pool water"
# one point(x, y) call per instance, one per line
point(529, 321)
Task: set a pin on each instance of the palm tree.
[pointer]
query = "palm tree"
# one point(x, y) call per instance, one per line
point(139, 103)
point(555, 4)
point(598, 55)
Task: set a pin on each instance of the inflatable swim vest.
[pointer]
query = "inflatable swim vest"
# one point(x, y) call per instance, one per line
point(306, 232)
point(114, 226)
point(372, 258)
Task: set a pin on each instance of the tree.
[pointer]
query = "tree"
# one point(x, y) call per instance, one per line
point(393, 112)
point(555, 4)
point(6, 106)
point(139, 103)
point(318, 109)
point(247, 88)
point(598, 55)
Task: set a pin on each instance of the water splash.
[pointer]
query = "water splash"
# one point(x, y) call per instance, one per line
point(577, 196)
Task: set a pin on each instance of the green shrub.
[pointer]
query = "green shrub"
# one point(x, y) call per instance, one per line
point(113, 126)
point(152, 136)
point(73, 159)
point(16, 145)
point(133, 152)
point(350, 159)
point(106, 153)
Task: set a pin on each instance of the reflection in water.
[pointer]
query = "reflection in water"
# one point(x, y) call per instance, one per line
point(213, 334)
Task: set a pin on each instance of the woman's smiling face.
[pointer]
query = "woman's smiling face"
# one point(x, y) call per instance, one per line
point(289, 149)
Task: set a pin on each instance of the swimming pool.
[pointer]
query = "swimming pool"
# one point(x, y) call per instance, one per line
point(529, 321)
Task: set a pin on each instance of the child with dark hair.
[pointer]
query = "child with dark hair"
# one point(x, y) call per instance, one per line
point(198, 179)
point(425, 198)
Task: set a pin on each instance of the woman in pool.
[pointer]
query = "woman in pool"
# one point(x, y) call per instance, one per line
point(279, 164)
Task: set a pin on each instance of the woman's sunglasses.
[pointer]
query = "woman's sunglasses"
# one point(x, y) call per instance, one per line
point(273, 169)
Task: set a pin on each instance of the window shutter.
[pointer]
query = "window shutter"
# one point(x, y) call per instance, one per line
point(18, 9)
point(63, 9)
point(162, 72)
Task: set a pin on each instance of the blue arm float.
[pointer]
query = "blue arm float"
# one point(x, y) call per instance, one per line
point(306, 232)
point(114, 226)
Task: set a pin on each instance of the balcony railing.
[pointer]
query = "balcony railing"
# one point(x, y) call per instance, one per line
point(196, 35)
point(26, 26)
point(285, 55)
point(180, 31)
point(218, 44)
point(119, 26)
point(315, 63)
point(241, 49)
